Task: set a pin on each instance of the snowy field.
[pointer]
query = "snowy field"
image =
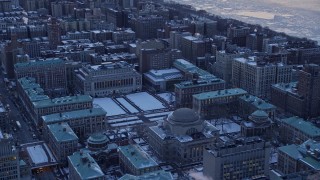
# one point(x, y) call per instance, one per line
point(168, 97)
point(109, 105)
point(145, 101)
point(230, 127)
point(127, 105)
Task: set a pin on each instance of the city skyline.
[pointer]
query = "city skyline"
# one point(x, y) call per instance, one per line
point(145, 89)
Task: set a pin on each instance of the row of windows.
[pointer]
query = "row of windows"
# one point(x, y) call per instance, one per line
point(58, 108)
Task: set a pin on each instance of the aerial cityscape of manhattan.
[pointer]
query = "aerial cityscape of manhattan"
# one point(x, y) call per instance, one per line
point(159, 90)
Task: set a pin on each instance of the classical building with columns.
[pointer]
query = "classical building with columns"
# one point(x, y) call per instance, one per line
point(182, 137)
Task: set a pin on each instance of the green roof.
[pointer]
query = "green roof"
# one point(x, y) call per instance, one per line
point(311, 162)
point(220, 93)
point(62, 132)
point(305, 153)
point(62, 101)
point(28, 83)
point(302, 125)
point(65, 116)
point(36, 94)
point(292, 151)
point(32, 89)
point(85, 166)
point(198, 83)
point(156, 175)
point(22, 163)
point(98, 138)
point(260, 113)
point(137, 156)
point(46, 63)
point(186, 66)
point(257, 102)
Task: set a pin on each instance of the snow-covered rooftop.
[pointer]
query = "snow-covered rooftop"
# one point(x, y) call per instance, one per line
point(37, 154)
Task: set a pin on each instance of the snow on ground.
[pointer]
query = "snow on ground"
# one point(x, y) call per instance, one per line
point(230, 127)
point(158, 114)
point(127, 123)
point(156, 119)
point(138, 140)
point(127, 105)
point(37, 154)
point(145, 101)
point(168, 97)
point(122, 119)
point(109, 105)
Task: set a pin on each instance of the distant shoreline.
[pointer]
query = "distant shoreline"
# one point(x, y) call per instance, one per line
point(301, 23)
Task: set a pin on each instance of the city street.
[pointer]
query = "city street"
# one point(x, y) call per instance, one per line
point(21, 135)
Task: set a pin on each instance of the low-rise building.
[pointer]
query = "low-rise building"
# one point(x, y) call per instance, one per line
point(82, 167)
point(123, 35)
point(62, 141)
point(29, 91)
point(134, 160)
point(182, 137)
point(238, 158)
point(49, 73)
point(297, 130)
point(302, 98)
point(162, 80)
point(286, 97)
point(215, 103)
point(258, 124)
point(107, 79)
point(198, 81)
point(38, 104)
point(82, 122)
point(298, 158)
point(159, 175)
point(61, 104)
point(250, 104)
point(186, 89)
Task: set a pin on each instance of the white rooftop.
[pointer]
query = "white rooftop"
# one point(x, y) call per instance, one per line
point(37, 154)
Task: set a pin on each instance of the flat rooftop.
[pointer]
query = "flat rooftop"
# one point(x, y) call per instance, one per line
point(163, 74)
point(287, 87)
point(220, 93)
point(137, 156)
point(307, 156)
point(85, 166)
point(65, 116)
point(156, 175)
point(41, 62)
point(62, 132)
point(63, 101)
point(303, 126)
point(197, 83)
point(257, 102)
